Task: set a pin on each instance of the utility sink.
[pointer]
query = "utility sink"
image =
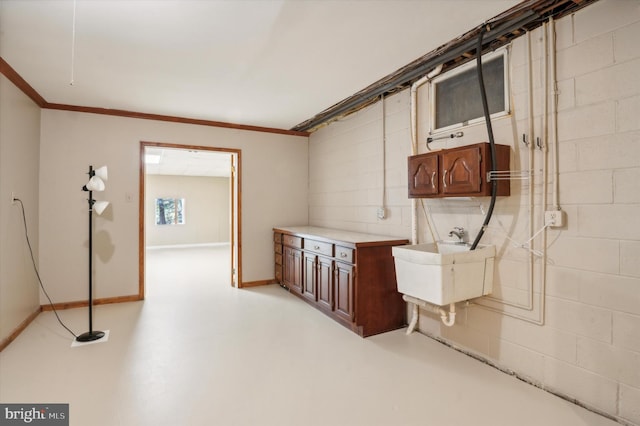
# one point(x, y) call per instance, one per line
point(444, 272)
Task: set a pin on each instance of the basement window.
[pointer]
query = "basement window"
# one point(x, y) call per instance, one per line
point(169, 211)
point(455, 99)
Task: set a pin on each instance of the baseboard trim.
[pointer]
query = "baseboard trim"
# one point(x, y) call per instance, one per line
point(19, 329)
point(248, 284)
point(84, 303)
point(195, 245)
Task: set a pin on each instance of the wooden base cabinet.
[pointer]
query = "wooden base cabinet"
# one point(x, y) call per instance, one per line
point(324, 282)
point(349, 276)
point(292, 269)
point(343, 283)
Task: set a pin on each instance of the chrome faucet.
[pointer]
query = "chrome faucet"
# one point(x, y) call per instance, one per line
point(459, 232)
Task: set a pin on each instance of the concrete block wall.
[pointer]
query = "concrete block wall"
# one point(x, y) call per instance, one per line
point(574, 328)
point(349, 161)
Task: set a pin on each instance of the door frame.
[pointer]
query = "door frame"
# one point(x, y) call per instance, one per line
point(235, 216)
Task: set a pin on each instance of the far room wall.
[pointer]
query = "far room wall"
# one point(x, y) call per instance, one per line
point(273, 175)
point(207, 209)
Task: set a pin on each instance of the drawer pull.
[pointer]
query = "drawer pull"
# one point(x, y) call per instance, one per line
point(343, 254)
point(316, 247)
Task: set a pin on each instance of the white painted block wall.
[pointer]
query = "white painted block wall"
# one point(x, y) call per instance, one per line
point(589, 345)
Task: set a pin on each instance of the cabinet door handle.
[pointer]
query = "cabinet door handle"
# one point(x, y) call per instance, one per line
point(433, 180)
point(444, 178)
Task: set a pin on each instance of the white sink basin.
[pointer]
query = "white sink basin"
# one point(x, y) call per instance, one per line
point(444, 272)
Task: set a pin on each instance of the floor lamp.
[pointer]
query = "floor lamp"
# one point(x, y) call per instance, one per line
point(96, 183)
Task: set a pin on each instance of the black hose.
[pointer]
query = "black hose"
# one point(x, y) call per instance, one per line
point(492, 144)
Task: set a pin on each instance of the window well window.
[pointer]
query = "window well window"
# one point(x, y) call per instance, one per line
point(455, 96)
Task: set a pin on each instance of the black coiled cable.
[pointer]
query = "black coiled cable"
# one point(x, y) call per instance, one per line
point(492, 145)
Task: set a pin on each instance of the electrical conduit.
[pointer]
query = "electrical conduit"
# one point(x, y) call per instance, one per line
point(414, 142)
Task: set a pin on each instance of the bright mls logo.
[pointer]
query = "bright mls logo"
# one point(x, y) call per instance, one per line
point(34, 414)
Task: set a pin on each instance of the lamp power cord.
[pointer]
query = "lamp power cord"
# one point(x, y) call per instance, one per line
point(35, 268)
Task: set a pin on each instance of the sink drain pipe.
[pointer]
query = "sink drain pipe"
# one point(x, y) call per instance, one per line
point(448, 318)
point(492, 144)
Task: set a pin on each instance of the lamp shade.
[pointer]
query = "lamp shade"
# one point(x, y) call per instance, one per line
point(99, 206)
point(94, 184)
point(101, 173)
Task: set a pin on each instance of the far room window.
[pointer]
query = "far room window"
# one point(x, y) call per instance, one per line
point(169, 211)
point(455, 96)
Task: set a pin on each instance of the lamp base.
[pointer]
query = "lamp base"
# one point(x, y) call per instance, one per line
point(90, 336)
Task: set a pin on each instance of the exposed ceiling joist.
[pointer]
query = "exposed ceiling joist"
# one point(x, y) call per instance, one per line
point(502, 29)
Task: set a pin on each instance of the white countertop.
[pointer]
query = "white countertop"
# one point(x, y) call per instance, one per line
point(337, 234)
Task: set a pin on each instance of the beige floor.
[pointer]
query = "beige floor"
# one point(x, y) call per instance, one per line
point(198, 352)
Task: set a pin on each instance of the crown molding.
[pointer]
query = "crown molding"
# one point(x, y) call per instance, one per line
point(13, 76)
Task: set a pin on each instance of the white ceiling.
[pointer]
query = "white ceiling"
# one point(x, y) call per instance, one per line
point(188, 162)
point(270, 63)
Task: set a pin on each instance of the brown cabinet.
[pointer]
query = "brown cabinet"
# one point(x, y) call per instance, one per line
point(292, 269)
point(348, 276)
point(457, 172)
point(424, 172)
point(310, 276)
point(343, 282)
point(324, 280)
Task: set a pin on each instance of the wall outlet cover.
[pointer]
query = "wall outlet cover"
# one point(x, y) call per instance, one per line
point(554, 218)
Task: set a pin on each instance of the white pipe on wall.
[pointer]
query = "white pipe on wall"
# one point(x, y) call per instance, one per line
point(414, 151)
point(545, 165)
point(414, 142)
point(554, 112)
point(531, 173)
point(548, 50)
point(414, 202)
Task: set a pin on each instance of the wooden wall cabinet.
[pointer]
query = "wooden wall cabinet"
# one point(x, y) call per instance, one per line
point(457, 172)
point(349, 276)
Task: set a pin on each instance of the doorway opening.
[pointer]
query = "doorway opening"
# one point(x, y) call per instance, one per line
point(168, 215)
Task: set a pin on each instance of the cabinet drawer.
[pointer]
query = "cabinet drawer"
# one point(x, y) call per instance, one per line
point(277, 237)
point(277, 247)
point(291, 241)
point(344, 254)
point(278, 259)
point(319, 247)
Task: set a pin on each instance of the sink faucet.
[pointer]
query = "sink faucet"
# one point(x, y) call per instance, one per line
point(459, 232)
